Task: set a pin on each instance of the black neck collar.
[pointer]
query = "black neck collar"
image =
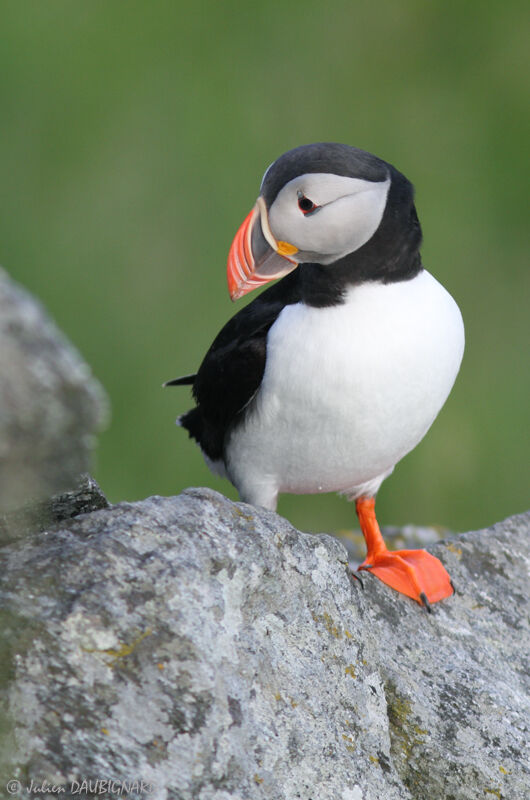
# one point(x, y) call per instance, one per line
point(391, 255)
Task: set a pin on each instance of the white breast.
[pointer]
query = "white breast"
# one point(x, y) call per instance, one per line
point(347, 390)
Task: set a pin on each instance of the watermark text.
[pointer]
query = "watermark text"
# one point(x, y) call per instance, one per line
point(83, 787)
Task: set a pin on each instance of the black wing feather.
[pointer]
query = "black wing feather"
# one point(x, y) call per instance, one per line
point(233, 367)
point(184, 380)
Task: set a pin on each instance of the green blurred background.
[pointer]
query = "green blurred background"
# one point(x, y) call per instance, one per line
point(133, 139)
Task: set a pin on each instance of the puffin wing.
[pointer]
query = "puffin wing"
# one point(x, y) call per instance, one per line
point(184, 380)
point(232, 370)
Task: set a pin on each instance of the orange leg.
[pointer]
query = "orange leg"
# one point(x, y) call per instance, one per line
point(415, 573)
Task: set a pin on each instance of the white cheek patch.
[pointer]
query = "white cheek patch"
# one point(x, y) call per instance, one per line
point(323, 187)
point(350, 212)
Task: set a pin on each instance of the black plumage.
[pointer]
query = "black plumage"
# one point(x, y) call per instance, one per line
point(232, 370)
point(328, 157)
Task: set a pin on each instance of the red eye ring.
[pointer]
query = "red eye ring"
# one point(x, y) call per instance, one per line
point(306, 205)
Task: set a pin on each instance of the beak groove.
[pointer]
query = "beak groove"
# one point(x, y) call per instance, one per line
point(255, 258)
point(240, 259)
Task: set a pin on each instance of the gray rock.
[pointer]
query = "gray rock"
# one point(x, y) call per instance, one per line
point(212, 651)
point(40, 514)
point(50, 405)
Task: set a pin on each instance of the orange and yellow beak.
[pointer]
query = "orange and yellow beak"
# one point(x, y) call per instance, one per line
point(255, 257)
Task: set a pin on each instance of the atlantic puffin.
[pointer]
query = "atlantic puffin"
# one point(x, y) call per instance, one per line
point(336, 371)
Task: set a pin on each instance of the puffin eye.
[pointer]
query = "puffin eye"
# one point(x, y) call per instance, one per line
point(306, 205)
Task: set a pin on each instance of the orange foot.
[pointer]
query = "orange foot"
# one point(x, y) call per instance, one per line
point(415, 573)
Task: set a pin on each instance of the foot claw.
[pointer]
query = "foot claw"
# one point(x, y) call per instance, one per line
point(357, 578)
point(423, 598)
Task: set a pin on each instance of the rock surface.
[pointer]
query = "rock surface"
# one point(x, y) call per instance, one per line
point(37, 516)
point(50, 405)
point(212, 651)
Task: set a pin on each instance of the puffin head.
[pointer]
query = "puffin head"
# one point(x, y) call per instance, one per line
point(319, 204)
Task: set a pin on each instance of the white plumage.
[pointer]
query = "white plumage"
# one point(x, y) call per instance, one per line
point(348, 390)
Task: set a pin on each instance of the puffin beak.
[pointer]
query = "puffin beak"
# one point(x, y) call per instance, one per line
point(255, 256)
